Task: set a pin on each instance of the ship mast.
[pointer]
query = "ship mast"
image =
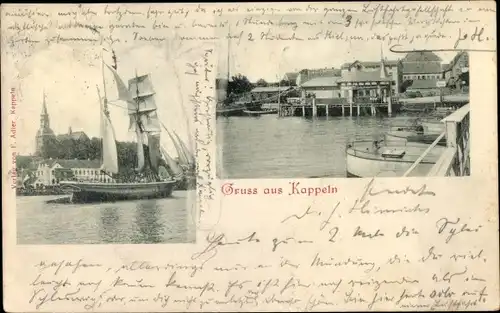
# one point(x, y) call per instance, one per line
point(228, 53)
point(139, 128)
point(104, 104)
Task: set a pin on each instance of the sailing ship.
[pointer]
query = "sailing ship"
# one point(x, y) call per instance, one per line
point(154, 177)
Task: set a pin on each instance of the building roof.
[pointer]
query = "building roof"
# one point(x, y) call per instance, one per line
point(445, 67)
point(364, 76)
point(421, 56)
point(325, 81)
point(318, 72)
point(424, 84)
point(73, 135)
point(369, 63)
point(291, 76)
point(73, 163)
point(455, 59)
point(421, 68)
point(270, 89)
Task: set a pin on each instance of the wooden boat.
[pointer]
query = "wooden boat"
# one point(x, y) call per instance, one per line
point(101, 192)
point(230, 111)
point(414, 136)
point(423, 132)
point(151, 180)
point(385, 158)
point(260, 112)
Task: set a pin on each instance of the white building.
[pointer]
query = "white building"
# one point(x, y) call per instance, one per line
point(50, 172)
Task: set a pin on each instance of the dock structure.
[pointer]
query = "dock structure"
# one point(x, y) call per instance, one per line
point(334, 107)
point(455, 161)
point(355, 92)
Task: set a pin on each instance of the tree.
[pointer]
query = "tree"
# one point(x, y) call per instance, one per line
point(238, 85)
point(261, 83)
point(406, 84)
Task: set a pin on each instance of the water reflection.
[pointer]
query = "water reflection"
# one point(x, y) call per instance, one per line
point(147, 218)
point(110, 219)
point(143, 222)
point(271, 147)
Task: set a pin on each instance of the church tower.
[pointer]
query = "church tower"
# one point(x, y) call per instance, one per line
point(45, 136)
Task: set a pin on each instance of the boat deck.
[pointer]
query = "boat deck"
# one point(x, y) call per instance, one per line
point(389, 159)
point(409, 151)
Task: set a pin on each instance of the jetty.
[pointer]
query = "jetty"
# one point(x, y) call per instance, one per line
point(338, 107)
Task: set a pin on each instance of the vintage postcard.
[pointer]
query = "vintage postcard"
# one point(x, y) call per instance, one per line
point(330, 156)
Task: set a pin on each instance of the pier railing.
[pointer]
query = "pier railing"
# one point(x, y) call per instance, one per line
point(455, 160)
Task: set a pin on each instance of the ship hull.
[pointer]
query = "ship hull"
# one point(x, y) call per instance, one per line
point(415, 137)
point(230, 112)
point(260, 112)
point(364, 161)
point(83, 192)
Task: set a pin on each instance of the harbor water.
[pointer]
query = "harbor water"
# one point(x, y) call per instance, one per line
point(168, 220)
point(269, 146)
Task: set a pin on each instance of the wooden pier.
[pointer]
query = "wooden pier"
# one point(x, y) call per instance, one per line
point(335, 107)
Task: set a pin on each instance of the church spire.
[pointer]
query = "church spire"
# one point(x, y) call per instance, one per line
point(44, 117)
point(44, 105)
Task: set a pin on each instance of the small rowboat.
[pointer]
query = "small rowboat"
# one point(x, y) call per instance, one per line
point(423, 131)
point(260, 112)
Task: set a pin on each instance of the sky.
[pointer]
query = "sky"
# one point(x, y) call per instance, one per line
point(69, 77)
point(264, 60)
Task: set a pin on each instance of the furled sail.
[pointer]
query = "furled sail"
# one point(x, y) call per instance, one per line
point(144, 118)
point(109, 151)
point(140, 150)
point(174, 167)
point(183, 159)
point(154, 150)
point(187, 152)
point(143, 109)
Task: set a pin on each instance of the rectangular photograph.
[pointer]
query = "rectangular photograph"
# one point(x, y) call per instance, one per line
point(105, 151)
point(353, 110)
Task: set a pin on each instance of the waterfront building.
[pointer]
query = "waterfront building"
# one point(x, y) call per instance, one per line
point(325, 89)
point(457, 71)
point(51, 171)
point(372, 87)
point(426, 88)
point(422, 66)
point(320, 84)
point(393, 68)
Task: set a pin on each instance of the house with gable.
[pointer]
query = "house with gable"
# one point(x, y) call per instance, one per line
point(394, 69)
point(423, 65)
